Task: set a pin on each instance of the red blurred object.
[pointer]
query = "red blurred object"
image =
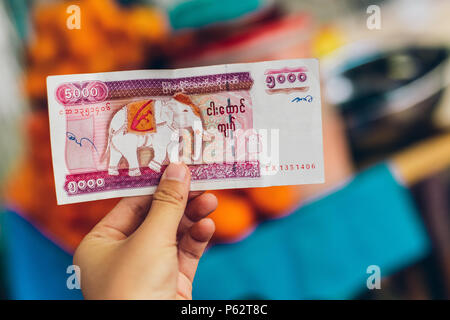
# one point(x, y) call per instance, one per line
point(282, 38)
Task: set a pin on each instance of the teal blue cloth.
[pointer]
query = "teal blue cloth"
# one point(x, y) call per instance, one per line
point(323, 249)
point(35, 267)
point(320, 251)
point(19, 11)
point(199, 13)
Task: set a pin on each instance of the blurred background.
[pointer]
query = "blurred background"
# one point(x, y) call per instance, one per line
point(386, 119)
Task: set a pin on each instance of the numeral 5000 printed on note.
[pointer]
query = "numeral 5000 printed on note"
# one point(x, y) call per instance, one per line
point(236, 126)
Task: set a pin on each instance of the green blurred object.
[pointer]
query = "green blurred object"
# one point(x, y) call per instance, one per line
point(12, 103)
point(19, 13)
point(200, 13)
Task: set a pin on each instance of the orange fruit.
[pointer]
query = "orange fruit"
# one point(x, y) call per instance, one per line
point(43, 49)
point(149, 24)
point(234, 216)
point(34, 83)
point(49, 17)
point(274, 201)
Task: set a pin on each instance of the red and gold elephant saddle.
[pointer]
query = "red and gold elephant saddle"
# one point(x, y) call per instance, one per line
point(141, 117)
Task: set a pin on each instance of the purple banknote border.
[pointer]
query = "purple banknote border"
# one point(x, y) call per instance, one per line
point(148, 177)
point(189, 85)
point(110, 90)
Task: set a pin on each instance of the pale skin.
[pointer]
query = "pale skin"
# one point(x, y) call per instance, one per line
point(148, 247)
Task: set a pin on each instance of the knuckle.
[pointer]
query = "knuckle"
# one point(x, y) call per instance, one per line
point(140, 210)
point(192, 254)
point(169, 195)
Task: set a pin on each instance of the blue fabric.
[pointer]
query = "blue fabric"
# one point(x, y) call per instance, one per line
point(199, 13)
point(320, 251)
point(35, 266)
point(323, 250)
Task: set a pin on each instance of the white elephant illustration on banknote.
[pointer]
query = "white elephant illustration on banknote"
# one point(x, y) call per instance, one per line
point(151, 123)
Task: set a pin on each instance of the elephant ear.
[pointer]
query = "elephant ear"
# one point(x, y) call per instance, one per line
point(185, 99)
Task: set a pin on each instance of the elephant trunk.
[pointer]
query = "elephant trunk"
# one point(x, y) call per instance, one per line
point(198, 140)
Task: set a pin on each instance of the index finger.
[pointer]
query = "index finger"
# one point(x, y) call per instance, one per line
point(124, 218)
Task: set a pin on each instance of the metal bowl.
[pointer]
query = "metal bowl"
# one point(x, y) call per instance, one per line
point(387, 97)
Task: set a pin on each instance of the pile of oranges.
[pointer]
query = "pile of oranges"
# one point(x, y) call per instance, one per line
point(110, 38)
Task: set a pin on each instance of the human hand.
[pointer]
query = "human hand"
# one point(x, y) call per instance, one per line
point(148, 247)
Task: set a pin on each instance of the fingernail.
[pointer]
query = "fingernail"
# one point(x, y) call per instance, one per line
point(175, 171)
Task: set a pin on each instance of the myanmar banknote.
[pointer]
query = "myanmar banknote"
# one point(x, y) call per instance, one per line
point(236, 126)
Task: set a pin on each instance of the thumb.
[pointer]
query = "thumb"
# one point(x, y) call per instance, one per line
point(169, 203)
